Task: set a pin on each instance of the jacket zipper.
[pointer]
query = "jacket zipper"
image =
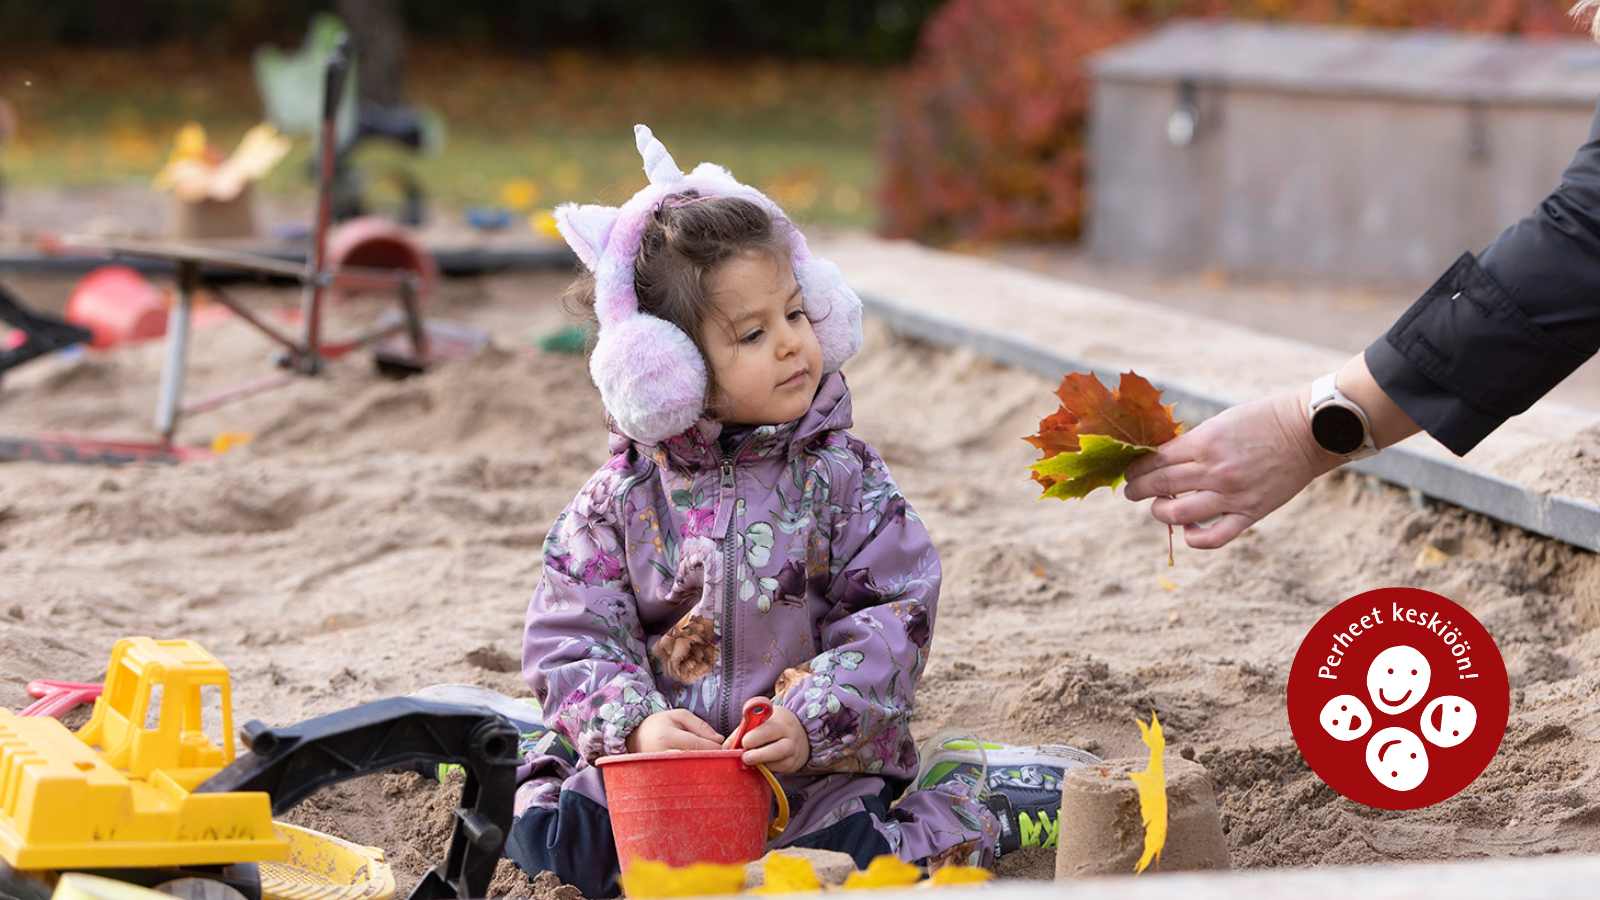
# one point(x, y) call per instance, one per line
point(727, 600)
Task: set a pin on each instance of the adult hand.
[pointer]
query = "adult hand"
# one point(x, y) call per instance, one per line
point(780, 742)
point(1233, 468)
point(674, 729)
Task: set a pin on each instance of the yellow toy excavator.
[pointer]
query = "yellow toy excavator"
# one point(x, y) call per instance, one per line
point(150, 791)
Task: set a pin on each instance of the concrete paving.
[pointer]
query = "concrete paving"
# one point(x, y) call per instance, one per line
point(1052, 326)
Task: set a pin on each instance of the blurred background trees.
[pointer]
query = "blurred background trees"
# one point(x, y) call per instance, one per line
point(942, 121)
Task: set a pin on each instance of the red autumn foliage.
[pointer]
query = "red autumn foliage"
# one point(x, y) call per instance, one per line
point(985, 135)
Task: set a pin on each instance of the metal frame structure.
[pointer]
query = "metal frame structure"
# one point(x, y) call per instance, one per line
point(305, 354)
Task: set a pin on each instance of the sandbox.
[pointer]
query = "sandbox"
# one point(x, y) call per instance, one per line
point(379, 536)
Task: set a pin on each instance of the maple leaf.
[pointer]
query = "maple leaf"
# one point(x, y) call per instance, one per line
point(1128, 423)
point(1152, 785)
point(1058, 433)
point(1094, 436)
point(1100, 461)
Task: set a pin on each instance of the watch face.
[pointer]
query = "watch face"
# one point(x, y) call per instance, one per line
point(1337, 430)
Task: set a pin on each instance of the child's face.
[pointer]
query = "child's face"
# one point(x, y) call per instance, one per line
point(765, 359)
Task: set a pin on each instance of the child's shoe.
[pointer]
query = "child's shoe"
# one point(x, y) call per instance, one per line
point(1021, 785)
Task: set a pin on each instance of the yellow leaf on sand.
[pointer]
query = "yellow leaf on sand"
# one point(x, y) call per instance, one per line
point(788, 875)
point(653, 879)
point(1431, 557)
point(230, 440)
point(1152, 785)
point(1167, 584)
point(953, 875)
point(884, 872)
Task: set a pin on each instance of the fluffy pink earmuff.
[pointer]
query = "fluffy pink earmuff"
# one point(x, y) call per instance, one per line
point(651, 377)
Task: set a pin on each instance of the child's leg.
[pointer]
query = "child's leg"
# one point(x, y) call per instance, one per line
point(1019, 786)
point(572, 840)
point(858, 834)
point(946, 824)
point(937, 826)
point(558, 828)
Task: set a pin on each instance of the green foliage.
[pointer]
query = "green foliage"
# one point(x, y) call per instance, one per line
point(802, 131)
point(1100, 462)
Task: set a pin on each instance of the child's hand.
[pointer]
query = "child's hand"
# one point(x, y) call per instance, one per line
point(674, 729)
point(780, 742)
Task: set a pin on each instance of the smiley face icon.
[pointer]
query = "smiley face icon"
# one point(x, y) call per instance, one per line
point(1345, 717)
point(1397, 679)
point(1397, 758)
point(1448, 720)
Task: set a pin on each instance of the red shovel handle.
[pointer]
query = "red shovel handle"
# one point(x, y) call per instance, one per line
point(754, 716)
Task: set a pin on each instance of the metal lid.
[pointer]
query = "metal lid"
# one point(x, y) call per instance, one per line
point(1432, 65)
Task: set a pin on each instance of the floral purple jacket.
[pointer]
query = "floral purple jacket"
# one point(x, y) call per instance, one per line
point(773, 561)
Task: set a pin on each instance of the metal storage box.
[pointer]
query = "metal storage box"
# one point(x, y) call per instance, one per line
point(1331, 152)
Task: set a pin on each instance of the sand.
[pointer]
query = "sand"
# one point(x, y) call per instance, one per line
point(378, 537)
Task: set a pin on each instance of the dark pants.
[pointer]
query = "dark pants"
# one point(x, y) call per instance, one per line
point(574, 841)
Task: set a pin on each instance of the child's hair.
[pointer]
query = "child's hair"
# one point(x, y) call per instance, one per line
point(684, 241)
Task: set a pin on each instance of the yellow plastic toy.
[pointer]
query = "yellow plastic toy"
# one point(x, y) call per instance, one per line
point(118, 791)
point(323, 867)
point(78, 886)
point(151, 787)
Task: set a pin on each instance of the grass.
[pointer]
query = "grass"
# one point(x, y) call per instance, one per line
point(804, 132)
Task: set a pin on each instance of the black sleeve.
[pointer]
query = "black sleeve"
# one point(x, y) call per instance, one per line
point(1496, 333)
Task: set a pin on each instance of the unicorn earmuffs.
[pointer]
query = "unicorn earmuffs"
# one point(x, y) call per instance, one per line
point(651, 378)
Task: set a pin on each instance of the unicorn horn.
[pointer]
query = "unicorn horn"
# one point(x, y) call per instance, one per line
point(658, 164)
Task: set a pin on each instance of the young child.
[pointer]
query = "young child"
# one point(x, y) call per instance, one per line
point(740, 545)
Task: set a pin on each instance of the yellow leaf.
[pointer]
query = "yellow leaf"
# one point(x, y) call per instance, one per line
point(788, 875)
point(230, 440)
point(884, 872)
point(544, 222)
point(519, 194)
point(1166, 584)
point(951, 875)
point(652, 879)
point(1099, 462)
point(1152, 785)
point(1431, 557)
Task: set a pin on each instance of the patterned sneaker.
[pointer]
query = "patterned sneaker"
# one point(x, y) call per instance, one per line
point(1021, 785)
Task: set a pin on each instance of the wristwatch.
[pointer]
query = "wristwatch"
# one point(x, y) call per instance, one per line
point(1337, 423)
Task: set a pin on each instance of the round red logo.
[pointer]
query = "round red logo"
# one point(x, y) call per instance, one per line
point(1398, 698)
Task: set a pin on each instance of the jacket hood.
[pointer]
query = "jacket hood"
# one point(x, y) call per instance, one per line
point(709, 442)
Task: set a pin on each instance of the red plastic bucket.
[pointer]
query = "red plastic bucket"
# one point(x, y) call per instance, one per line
point(682, 808)
point(118, 305)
